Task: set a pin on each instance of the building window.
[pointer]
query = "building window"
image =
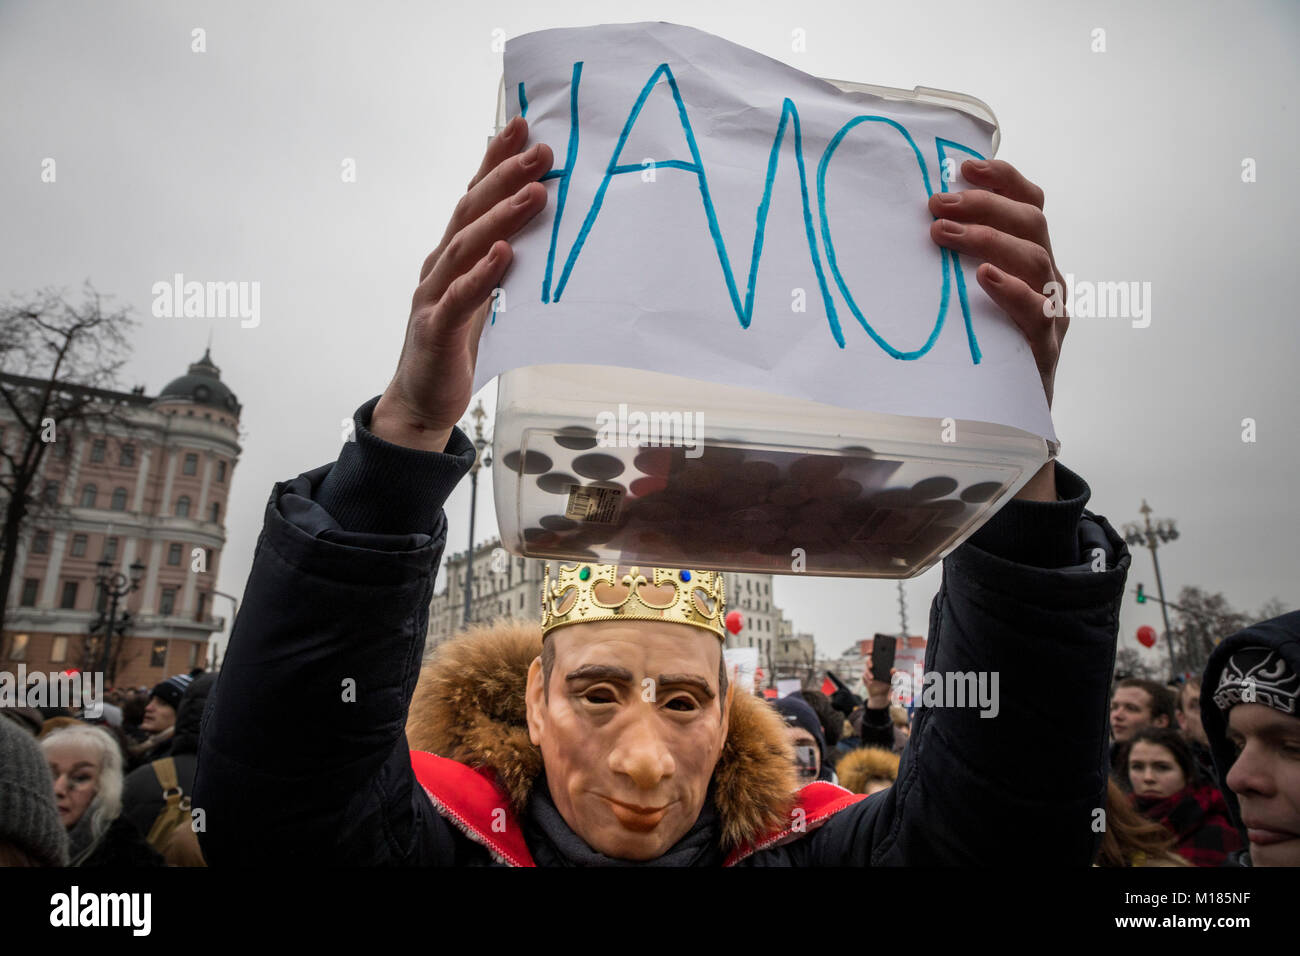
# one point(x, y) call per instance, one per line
point(97, 449)
point(88, 496)
point(158, 658)
point(521, 601)
point(174, 554)
point(119, 499)
point(216, 510)
point(18, 648)
point(168, 603)
point(221, 472)
point(51, 496)
point(59, 650)
point(183, 507)
point(126, 458)
point(41, 542)
point(191, 466)
point(203, 607)
point(194, 655)
point(110, 549)
point(30, 586)
point(69, 601)
point(79, 545)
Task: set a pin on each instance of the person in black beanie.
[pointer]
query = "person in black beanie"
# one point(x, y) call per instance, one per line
point(1250, 706)
point(160, 720)
point(805, 731)
point(30, 831)
point(144, 797)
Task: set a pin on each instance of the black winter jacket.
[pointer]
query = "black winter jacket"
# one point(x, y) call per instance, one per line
point(340, 590)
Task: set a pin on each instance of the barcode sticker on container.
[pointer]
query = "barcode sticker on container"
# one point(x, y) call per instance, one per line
point(593, 504)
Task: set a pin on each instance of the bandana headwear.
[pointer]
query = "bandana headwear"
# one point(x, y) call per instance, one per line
point(1258, 675)
point(596, 592)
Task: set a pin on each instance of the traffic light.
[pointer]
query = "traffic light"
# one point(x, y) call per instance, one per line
point(1142, 598)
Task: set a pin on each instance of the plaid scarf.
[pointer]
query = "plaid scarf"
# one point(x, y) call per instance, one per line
point(1198, 818)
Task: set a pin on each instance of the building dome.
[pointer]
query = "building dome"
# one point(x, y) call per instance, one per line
point(201, 385)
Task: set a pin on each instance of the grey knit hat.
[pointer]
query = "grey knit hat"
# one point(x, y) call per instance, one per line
point(28, 816)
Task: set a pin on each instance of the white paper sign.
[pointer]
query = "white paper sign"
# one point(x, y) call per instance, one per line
point(743, 662)
point(787, 686)
point(717, 214)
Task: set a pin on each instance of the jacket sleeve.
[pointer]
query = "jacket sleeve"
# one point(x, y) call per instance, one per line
point(303, 754)
point(877, 728)
point(1031, 604)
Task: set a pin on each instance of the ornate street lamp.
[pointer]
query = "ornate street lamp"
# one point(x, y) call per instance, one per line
point(113, 586)
point(1152, 536)
point(482, 458)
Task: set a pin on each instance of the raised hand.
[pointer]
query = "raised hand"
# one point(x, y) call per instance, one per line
point(435, 373)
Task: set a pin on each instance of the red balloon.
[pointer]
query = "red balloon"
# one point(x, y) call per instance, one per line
point(735, 621)
point(1147, 635)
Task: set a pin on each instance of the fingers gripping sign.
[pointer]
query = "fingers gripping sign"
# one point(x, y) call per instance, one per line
point(435, 373)
point(1002, 222)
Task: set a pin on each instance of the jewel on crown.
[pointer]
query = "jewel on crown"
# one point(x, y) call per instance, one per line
point(697, 597)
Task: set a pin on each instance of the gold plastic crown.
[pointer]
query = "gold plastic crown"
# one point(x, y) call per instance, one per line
point(697, 599)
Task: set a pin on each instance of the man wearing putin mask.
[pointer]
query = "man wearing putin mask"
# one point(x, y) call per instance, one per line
point(607, 731)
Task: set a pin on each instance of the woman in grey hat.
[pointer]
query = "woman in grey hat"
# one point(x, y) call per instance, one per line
point(31, 833)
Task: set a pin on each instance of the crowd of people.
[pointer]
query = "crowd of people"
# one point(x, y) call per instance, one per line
point(115, 790)
point(112, 790)
point(1165, 801)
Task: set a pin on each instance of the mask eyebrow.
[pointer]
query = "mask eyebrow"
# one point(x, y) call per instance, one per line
point(600, 672)
point(690, 680)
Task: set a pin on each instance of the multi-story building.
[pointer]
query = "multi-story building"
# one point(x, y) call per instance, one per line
point(151, 487)
point(505, 585)
point(796, 658)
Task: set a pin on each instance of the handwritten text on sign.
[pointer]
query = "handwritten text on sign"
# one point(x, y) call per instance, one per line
point(674, 150)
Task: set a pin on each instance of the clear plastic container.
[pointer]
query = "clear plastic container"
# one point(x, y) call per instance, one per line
point(767, 484)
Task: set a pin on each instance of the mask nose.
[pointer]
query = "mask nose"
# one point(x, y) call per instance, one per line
point(641, 753)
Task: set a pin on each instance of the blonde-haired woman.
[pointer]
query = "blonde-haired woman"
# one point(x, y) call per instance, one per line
point(86, 764)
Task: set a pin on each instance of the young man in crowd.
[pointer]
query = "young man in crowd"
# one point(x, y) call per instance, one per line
point(1136, 703)
point(1250, 707)
point(1193, 731)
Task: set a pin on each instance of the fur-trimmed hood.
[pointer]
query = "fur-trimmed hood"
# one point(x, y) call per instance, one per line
point(469, 706)
point(858, 767)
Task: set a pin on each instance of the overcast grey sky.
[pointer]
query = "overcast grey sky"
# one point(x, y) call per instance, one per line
point(226, 165)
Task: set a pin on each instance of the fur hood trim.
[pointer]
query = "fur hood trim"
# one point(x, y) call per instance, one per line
point(857, 767)
point(469, 706)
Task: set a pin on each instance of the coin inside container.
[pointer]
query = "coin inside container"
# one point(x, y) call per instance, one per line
point(534, 462)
